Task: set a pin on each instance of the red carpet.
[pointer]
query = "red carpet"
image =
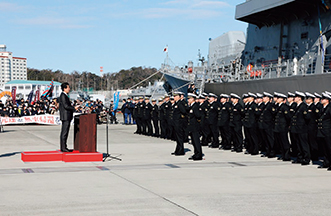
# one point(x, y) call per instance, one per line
point(75, 156)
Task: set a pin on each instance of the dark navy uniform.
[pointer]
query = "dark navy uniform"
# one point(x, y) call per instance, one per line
point(211, 120)
point(155, 120)
point(236, 127)
point(179, 113)
point(324, 132)
point(281, 128)
point(299, 128)
point(223, 124)
point(266, 124)
point(249, 122)
point(194, 114)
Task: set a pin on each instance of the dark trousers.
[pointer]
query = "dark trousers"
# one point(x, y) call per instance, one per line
point(206, 133)
point(156, 127)
point(247, 140)
point(237, 138)
point(282, 138)
point(139, 125)
point(326, 144)
point(312, 141)
point(215, 134)
point(301, 139)
point(260, 140)
point(163, 124)
point(179, 133)
point(294, 148)
point(148, 127)
point(253, 140)
point(64, 134)
point(196, 144)
point(268, 136)
point(226, 136)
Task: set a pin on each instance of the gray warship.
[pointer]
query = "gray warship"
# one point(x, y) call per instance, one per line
point(286, 48)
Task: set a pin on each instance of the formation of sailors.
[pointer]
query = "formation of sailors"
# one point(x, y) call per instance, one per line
point(296, 127)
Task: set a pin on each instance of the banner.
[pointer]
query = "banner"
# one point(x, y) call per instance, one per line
point(37, 96)
point(13, 94)
point(30, 96)
point(116, 99)
point(36, 119)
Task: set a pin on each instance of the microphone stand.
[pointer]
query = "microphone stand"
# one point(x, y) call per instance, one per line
point(107, 154)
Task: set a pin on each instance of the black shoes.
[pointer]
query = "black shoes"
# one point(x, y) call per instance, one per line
point(66, 150)
point(195, 158)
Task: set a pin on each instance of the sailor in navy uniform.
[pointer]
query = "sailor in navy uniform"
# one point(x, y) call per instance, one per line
point(211, 118)
point(235, 123)
point(266, 124)
point(324, 129)
point(206, 133)
point(179, 113)
point(155, 118)
point(292, 105)
point(250, 123)
point(224, 121)
point(299, 128)
point(281, 126)
point(312, 126)
point(194, 114)
point(260, 106)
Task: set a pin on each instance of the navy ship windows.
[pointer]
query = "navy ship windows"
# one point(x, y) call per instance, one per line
point(304, 35)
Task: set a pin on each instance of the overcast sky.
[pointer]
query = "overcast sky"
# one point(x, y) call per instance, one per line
point(83, 35)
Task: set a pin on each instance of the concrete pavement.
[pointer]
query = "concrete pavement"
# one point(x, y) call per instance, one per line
point(149, 181)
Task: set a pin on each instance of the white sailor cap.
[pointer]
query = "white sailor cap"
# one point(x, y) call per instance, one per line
point(205, 94)
point(250, 94)
point(233, 95)
point(276, 94)
point(176, 94)
point(190, 95)
point(280, 95)
point(259, 95)
point(212, 95)
point(299, 94)
point(153, 100)
point(290, 94)
point(329, 93)
point(245, 96)
point(317, 95)
point(201, 97)
point(224, 96)
point(266, 94)
point(326, 96)
point(166, 96)
point(309, 95)
point(181, 93)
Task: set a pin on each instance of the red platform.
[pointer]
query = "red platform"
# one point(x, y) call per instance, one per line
point(75, 156)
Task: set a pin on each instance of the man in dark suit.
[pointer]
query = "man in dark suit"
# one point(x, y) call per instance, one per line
point(66, 115)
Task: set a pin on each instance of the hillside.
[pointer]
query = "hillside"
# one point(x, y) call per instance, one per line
point(121, 80)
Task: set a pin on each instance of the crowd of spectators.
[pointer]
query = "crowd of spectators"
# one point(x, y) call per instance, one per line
point(45, 106)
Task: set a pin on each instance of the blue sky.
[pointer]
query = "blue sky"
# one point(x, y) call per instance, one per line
point(83, 35)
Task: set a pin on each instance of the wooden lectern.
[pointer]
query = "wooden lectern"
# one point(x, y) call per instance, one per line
point(85, 133)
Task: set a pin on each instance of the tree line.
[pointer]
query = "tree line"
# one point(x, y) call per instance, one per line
point(123, 79)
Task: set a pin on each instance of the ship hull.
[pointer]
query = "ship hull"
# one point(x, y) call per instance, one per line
point(308, 83)
point(176, 84)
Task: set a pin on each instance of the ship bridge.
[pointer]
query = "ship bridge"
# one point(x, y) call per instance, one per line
point(270, 12)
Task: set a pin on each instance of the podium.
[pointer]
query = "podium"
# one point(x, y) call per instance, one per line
point(85, 133)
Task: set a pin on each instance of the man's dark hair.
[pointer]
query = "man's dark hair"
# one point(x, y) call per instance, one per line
point(124, 100)
point(64, 85)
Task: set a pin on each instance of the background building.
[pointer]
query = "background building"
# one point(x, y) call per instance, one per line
point(11, 68)
point(24, 87)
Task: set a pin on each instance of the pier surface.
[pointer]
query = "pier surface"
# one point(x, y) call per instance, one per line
point(150, 181)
